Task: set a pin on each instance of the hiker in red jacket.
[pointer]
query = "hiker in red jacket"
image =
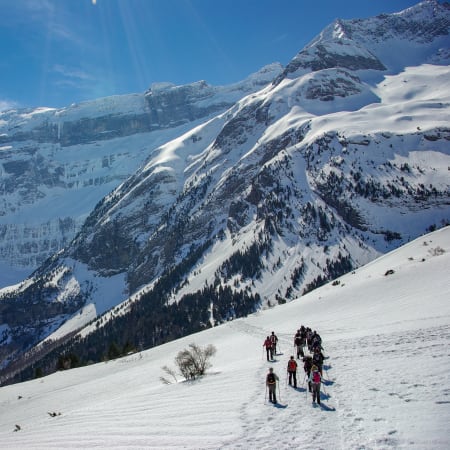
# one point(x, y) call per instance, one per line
point(292, 371)
point(315, 379)
point(269, 348)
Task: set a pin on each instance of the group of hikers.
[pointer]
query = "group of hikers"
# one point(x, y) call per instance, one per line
point(312, 364)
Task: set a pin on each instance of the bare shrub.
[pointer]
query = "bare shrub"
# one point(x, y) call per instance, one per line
point(194, 361)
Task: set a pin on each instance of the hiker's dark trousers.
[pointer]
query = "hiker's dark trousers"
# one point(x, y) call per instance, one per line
point(316, 392)
point(272, 392)
point(293, 376)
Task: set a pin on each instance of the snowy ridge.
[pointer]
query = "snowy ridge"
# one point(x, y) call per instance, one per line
point(385, 330)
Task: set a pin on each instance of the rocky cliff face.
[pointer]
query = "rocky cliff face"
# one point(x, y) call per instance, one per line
point(342, 158)
point(55, 165)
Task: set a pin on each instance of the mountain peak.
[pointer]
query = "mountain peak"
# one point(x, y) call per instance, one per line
point(412, 35)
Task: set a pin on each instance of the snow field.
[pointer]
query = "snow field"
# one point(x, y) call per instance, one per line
point(386, 338)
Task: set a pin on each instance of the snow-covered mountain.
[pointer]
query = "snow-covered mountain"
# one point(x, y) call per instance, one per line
point(385, 330)
point(343, 157)
point(57, 164)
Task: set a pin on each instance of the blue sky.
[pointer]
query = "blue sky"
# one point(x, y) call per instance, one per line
point(58, 52)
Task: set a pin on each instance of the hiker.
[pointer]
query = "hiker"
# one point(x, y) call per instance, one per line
point(271, 384)
point(292, 371)
point(315, 379)
point(318, 358)
point(316, 341)
point(299, 343)
point(307, 365)
point(274, 340)
point(269, 348)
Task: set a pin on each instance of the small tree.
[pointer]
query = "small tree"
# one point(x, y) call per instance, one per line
point(192, 362)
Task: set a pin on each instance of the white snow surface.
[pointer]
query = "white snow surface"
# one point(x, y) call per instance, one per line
point(386, 340)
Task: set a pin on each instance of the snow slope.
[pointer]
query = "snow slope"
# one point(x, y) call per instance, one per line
point(386, 337)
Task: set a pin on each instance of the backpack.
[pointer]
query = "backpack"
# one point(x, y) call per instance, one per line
point(298, 340)
point(271, 378)
point(307, 364)
point(292, 365)
point(273, 339)
point(317, 358)
point(316, 377)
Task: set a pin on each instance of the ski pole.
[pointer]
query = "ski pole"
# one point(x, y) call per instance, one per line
point(265, 396)
point(279, 394)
